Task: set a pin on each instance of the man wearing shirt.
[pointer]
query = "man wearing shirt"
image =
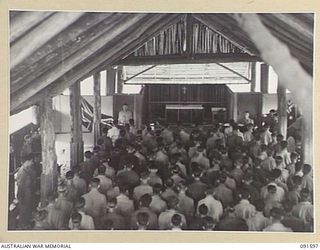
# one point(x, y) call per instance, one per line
point(124, 115)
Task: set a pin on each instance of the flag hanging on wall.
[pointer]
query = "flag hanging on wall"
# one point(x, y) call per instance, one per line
point(87, 116)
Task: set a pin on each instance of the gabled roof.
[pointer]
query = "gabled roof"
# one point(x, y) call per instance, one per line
point(49, 51)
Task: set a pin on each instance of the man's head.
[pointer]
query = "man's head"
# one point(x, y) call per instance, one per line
point(145, 200)
point(176, 221)
point(272, 189)
point(101, 169)
point(157, 188)
point(279, 159)
point(88, 154)
point(95, 183)
point(294, 157)
point(172, 202)
point(279, 138)
point(203, 210)
point(276, 214)
point(76, 220)
point(306, 169)
point(142, 219)
point(304, 194)
point(125, 107)
point(246, 114)
point(69, 175)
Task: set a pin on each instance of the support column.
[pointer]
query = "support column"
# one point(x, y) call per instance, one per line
point(76, 142)
point(264, 78)
point(49, 176)
point(97, 106)
point(253, 76)
point(307, 149)
point(111, 81)
point(119, 79)
point(282, 109)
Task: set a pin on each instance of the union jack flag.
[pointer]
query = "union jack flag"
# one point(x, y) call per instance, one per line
point(87, 116)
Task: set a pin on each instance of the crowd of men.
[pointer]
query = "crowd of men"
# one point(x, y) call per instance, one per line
point(213, 178)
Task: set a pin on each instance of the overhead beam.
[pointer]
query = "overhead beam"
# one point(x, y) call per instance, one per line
point(41, 34)
point(103, 59)
point(73, 60)
point(234, 72)
point(187, 59)
point(25, 21)
point(141, 72)
point(68, 42)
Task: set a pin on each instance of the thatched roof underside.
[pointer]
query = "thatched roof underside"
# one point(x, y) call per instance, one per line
point(49, 51)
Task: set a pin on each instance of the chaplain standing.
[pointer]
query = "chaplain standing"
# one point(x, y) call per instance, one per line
point(124, 115)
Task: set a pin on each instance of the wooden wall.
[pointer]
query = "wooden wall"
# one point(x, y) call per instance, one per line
point(207, 95)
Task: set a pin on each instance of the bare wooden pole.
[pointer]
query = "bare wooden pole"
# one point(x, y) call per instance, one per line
point(111, 81)
point(76, 142)
point(119, 79)
point(253, 76)
point(264, 72)
point(97, 106)
point(48, 183)
point(282, 110)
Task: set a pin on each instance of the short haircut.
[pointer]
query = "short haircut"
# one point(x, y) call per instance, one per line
point(306, 168)
point(145, 200)
point(69, 174)
point(157, 188)
point(169, 182)
point(276, 213)
point(203, 209)
point(76, 217)
point(172, 202)
point(259, 204)
point(88, 154)
point(101, 169)
point(176, 220)
point(95, 182)
point(143, 218)
point(294, 155)
point(272, 188)
point(280, 137)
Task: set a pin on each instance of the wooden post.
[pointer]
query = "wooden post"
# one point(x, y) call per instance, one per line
point(307, 149)
point(76, 142)
point(49, 176)
point(282, 109)
point(253, 76)
point(97, 106)
point(264, 78)
point(119, 79)
point(111, 81)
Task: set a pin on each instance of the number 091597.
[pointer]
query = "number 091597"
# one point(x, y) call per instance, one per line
point(309, 245)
